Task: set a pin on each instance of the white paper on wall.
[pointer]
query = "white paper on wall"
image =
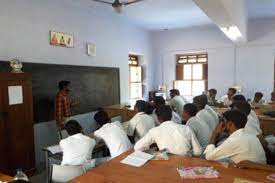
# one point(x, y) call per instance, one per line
point(15, 95)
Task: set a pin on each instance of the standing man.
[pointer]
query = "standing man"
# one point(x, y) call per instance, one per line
point(63, 104)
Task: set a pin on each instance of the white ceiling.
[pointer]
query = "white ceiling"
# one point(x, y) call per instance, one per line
point(261, 8)
point(161, 14)
point(171, 14)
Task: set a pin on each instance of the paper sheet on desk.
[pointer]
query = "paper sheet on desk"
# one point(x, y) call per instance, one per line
point(137, 159)
point(54, 149)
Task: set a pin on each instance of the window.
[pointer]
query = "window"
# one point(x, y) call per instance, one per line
point(135, 78)
point(191, 74)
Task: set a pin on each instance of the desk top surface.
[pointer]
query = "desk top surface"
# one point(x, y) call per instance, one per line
point(5, 178)
point(164, 171)
point(120, 106)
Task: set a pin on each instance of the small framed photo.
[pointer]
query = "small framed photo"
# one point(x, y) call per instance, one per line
point(91, 49)
point(61, 39)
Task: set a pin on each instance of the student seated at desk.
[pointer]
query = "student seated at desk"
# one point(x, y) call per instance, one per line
point(77, 148)
point(141, 123)
point(258, 100)
point(241, 98)
point(211, 97)
point(176, 138)
point(227, 99)
point(159, 101)
point(206, 113)
point(199, 127)
point(176, 101)
point(239, 145)
point(252, 126)
point(112, 134)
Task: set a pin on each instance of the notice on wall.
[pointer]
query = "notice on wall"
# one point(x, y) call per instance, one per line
point(15, 95)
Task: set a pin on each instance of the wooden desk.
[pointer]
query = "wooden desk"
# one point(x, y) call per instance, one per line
point(5, 178)
point(120, 110)
point(163, 172)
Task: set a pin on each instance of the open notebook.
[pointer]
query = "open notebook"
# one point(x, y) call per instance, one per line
point(137, 159)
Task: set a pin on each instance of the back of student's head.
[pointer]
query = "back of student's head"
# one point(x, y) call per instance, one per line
point(200, 101)
point(175, 91)
point(191, 109)
point(141, 106)
point(236, 117)
point(158, 101)
point(149, 108)
point(101, 117)
point(239, 98)
point(164, 113)
point(73, 127)
point(243, 107)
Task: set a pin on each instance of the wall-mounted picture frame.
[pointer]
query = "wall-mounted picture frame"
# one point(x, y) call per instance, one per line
point(91, 49)
point(61, 39)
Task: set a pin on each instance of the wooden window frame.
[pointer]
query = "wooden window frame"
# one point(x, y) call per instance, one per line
point(180, 69)
point(132, 82)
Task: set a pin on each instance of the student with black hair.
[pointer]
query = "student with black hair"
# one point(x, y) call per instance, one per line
point(227, 99)
point(258, 99)
point(211, 97)
point(252, 126)
point(176, 138)
point(159, 101)
point(199, 127)
point(176, 101)
point(141, 123)
point(205, 112)
point(112, 133)
point(239, 146)
point(77, 148)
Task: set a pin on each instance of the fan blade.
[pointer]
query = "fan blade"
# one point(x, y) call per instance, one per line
point(100, 1)
point(132, 2)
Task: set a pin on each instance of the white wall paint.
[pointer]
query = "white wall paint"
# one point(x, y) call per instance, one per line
point(251, 67)
point(24, 34)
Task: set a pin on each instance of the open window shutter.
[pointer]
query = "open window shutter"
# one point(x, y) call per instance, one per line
point(179, 72)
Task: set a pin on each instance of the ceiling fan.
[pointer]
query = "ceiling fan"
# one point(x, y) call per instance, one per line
point(117, 5)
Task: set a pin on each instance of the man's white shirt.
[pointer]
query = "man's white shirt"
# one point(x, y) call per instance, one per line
point(237, 147)
point(77, 149)
point(208, 118)
point(201, 130)
point(114, 137)
point(214, 114)
point(226, 100)
point(139, 125)
point(175, 117)
point(176, 138)
point(177, 103)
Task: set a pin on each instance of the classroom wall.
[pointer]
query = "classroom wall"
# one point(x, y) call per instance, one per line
point(250, 65)
point(24, 34)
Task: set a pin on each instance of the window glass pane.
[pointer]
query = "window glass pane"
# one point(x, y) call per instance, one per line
point(192, 59)
point(202, 59)
point(135, 74)
point(197, 71)
point(187, 71)
point(135, 90)
point(198, 88)
point(184, 87)
point(181, 61)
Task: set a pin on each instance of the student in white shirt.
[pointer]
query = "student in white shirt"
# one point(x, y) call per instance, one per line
point(252, 126)
point(199, 127)
point(141, 123)
point(227, 99)
point(239, 146)
point(205, 114)
point(211, 97)
point(176, 101)
point(176, 138)
point(258, 100)
point(159, 101)
point(112, 134)
point(77, 148)
point(241, 98)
